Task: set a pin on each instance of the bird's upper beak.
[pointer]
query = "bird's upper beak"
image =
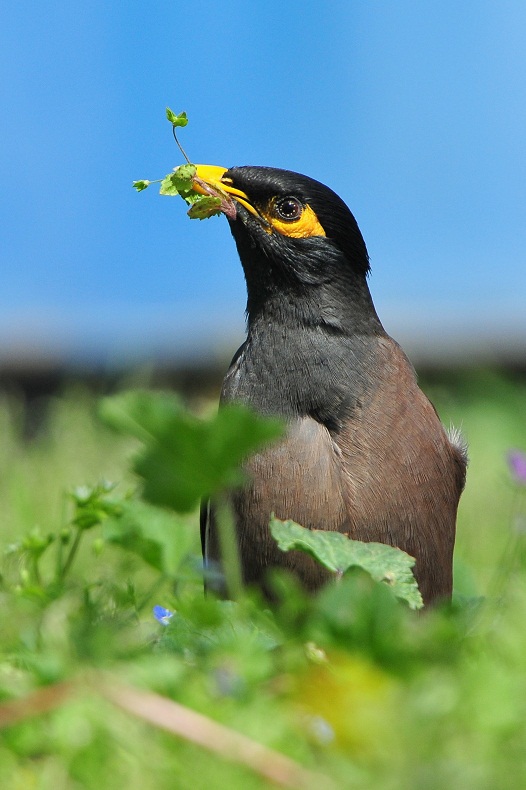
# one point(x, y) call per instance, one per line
point(212, 176)
point(211, 180)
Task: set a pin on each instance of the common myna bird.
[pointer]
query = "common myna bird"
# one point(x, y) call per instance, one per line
point(364, 451)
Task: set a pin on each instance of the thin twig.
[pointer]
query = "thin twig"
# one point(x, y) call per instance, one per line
point(40, 701)
point(203, 731)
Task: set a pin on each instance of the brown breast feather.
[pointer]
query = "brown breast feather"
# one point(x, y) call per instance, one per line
point(403, 476)
point(389, 475)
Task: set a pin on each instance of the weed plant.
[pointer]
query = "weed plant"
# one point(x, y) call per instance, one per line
point(116, 671)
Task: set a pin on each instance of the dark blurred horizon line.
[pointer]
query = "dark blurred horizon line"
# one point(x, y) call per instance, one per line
point(113, 338)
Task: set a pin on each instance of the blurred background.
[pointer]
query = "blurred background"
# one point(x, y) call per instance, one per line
point(413, 113)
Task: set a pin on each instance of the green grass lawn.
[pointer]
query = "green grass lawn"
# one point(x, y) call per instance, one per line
point(352, 687)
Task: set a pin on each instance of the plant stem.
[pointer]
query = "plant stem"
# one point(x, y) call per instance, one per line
point(36, 572)
point(179, 145)
point(60, 545)
point(231, 564)
point(71, 555)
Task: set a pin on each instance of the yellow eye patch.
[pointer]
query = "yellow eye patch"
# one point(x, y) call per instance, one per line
point(305, 226)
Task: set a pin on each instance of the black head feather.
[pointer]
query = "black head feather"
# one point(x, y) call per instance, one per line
point(262, 184)
point(318, 280)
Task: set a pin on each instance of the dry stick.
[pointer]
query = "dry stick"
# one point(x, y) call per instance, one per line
point(176, 719)
point(40, 701)
point(186, 723)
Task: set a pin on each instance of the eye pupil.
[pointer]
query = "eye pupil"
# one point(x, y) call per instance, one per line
point(289, 208)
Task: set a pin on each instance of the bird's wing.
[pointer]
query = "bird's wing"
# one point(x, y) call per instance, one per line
point(402, 475)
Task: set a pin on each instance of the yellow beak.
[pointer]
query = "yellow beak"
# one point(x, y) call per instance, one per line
point(213, 176)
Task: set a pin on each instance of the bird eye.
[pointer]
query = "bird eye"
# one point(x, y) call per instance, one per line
point(289, 209)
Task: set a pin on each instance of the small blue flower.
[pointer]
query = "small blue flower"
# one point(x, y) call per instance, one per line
point(517, 463)
point(162, 615)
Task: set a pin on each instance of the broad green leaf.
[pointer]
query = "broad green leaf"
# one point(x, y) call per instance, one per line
point(176, 120)
point(169, 185)
point(205, 207)
point(192, 197)
point(338, 553)
point(154, 534)
point(185, 175)
point(179, 182)
point(184, 458)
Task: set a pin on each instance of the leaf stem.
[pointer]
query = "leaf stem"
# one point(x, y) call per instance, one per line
point(71, 554)
point(36, 571)
point(179, 144)
point(60, 544)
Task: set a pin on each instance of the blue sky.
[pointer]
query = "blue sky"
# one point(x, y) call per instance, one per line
point(415, 113)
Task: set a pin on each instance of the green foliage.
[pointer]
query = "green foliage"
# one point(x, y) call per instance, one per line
point(184, 458)
point(348, 688)
point(338, 553)
point(140, 185)
point(179, 182)
point(93, 505)
point(182, 181)
point(154, 534)
point(205, 207)
point(176, 120)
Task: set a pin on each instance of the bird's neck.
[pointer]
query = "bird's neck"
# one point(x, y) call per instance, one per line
point(302, 359)
point(347, 311)
point(311, 286)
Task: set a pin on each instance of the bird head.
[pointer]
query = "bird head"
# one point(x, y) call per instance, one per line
point(294, 235)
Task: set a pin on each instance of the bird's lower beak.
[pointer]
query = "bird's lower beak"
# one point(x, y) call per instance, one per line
point(211, 180)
